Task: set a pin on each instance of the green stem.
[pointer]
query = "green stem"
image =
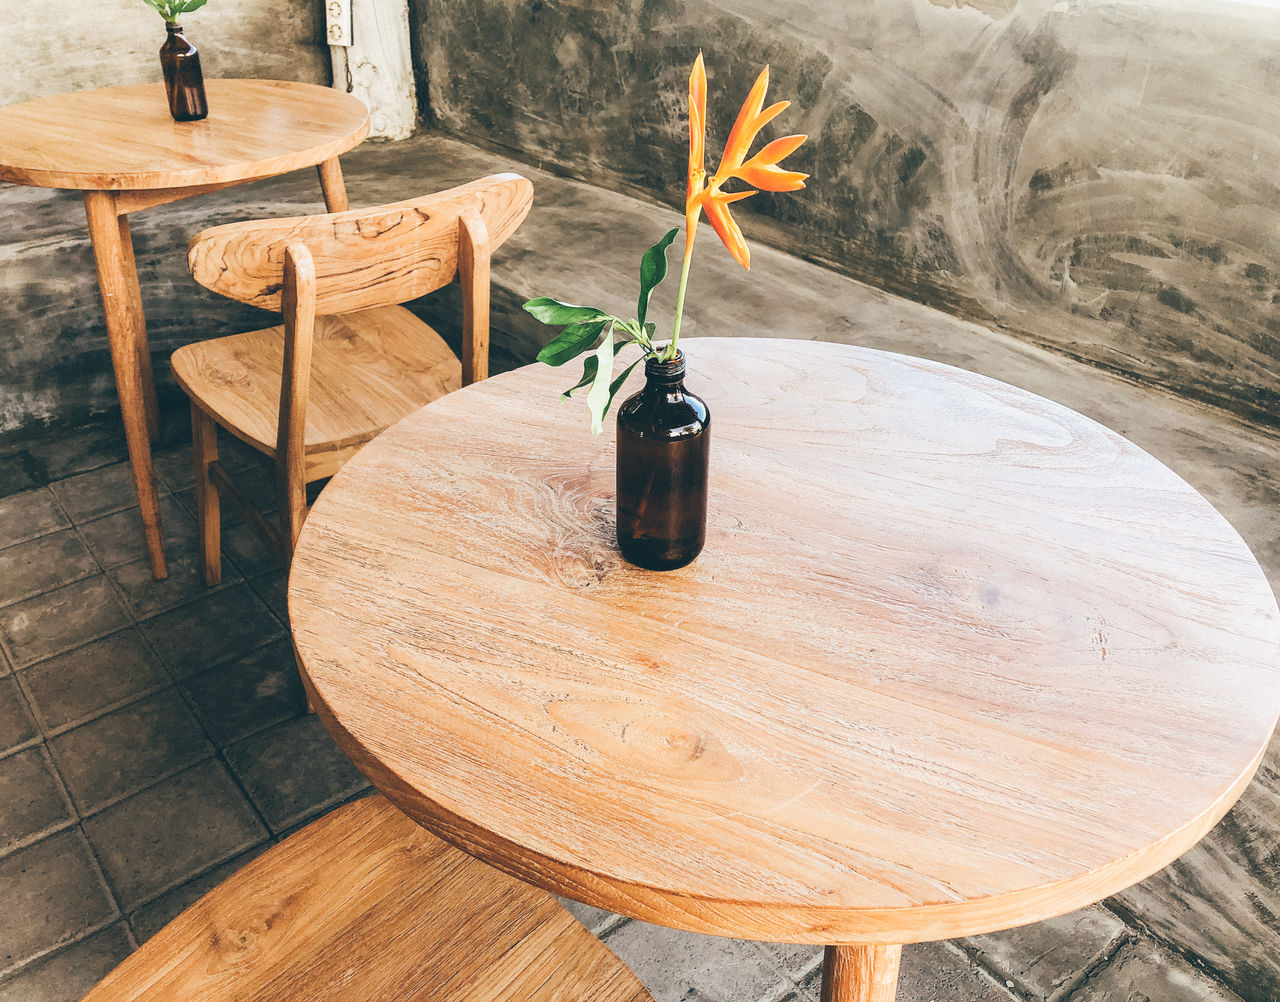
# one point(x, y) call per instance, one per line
point(670, 353)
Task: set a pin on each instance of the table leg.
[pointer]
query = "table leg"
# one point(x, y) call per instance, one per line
point(118, 281)
point(860, 973)
point(332, 185)
point(140, 331)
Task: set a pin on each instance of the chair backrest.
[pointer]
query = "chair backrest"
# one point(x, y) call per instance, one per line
point(365, 257)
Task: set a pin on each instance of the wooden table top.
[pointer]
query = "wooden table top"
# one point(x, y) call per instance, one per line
point(955, 658)
point(124, 138)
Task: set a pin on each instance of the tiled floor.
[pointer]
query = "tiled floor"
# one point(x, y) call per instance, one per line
point(153, 740)
point(152, 734)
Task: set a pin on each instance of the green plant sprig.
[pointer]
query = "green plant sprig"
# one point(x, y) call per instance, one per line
point(603, 334)
point(171, 10)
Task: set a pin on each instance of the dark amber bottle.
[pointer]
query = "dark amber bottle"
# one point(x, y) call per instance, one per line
point(183, 81)
point(664, 440)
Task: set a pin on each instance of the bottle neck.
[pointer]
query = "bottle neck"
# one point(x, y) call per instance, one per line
point(173, 27)
point(666, 376)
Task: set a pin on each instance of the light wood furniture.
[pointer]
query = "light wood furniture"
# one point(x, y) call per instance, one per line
point(349, 361)
point(364, 904)
point(122, 149)
point(955, 658)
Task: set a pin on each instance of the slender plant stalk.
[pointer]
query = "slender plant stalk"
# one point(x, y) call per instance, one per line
point(691, 229)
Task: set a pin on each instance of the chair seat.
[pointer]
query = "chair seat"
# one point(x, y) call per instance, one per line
point(368, 369)
point(364, 904)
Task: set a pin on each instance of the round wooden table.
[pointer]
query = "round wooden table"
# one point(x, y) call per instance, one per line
point(120, 146)
point(955, 658)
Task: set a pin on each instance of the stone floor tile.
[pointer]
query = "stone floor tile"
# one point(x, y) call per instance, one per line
point(597, 920)
point(796, 960)
point(161, 837)
point(273, 589)
point(174, 467)
point(42, 564)
point(29, 514)
point(1140, 971)
point(87, 496)
point(117, 539)
point(293, 771)
point(1042, 958)
point(155, 915)
point(16, 473)
point(17, 725)
point(128, 749)
point(247, 553)
point(147, 597)
point(61, 619)
point(216, 627)
point(53, 894)
point(248, 694)
point(69, 688)
point(33, 802)
point(79, 450)
point(674, 964)
point(937, 972)
point(68, 974)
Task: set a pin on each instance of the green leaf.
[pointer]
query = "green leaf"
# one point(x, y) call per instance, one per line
point(589, 367)
point(556, 314)
point(598, 397)
point(571, 342)
point(653, 269)
point(191, 5)
point(616, 385)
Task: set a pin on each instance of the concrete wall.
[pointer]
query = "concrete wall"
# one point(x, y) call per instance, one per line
point(52, 46)
point(1098, 177)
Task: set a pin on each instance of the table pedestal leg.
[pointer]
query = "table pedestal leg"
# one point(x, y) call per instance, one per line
point(332, 185)
point(147, 377)
point(127, 336)
point(860, 973)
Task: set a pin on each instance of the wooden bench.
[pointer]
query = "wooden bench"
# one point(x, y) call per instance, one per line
point(365, 906)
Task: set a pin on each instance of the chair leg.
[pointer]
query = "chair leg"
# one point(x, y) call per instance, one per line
point(204, 448)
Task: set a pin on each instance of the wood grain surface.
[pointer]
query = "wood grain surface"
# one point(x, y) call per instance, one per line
point(955, 658)
point(363, 904)
point(364, 257)
point(368, 369)
point(124, 138)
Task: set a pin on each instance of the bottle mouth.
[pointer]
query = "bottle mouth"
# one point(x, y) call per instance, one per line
point(665, 371)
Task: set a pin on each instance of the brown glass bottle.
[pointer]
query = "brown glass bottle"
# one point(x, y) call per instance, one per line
point(183, 81)
point(664, 439)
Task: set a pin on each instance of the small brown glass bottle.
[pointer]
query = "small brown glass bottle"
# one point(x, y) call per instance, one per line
point(664, 439)
point(183, 81)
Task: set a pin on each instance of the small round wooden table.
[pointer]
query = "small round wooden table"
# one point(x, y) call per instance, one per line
point(120, 146)
point(955, 658)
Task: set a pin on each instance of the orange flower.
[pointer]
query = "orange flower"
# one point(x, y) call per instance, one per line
point(762, 171)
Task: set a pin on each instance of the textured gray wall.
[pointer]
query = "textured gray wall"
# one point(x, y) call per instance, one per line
point(52, 46)
point(1094, 176)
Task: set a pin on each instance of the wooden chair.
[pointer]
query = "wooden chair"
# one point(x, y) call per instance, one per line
point(365, 905)
point(349, 360)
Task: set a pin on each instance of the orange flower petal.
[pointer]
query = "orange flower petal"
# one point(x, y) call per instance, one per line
point(726, 227)
point(697, 116)
point(778, 149)
point(767, 116)
point(767, 177)
point(744, 128)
